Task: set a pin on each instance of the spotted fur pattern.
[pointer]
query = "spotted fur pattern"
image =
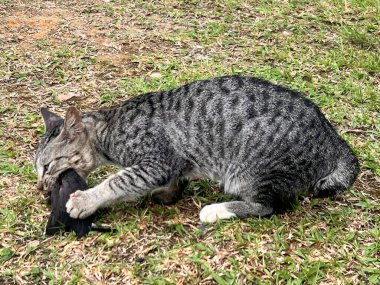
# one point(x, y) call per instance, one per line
point(264, 143)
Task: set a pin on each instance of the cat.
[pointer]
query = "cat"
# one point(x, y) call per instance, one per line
point(264, 143)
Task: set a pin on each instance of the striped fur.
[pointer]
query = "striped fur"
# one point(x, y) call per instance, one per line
point(264, 143)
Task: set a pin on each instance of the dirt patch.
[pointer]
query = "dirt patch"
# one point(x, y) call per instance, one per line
point(37, 27)
point(114, 58)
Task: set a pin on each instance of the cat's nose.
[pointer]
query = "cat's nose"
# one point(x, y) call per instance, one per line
point(40, 185)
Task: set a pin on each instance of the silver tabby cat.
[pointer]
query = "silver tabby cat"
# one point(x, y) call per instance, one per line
point(264, 143)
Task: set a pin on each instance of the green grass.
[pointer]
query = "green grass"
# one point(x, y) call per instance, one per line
point(107, 52)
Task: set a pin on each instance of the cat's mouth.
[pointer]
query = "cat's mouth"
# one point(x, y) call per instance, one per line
point(47, 183)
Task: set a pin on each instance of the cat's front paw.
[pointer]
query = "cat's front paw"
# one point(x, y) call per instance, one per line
point(80, 205)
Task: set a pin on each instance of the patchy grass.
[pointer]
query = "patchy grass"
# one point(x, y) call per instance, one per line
point(106, 51)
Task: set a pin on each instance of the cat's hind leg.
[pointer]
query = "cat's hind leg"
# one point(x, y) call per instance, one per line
point(170, 194)
point(239, 209)
point(341, 178)
point(273, 194)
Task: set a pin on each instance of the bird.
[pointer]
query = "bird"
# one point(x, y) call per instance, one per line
point(59, 220)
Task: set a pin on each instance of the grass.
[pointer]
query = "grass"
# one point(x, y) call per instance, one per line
point(107, 51)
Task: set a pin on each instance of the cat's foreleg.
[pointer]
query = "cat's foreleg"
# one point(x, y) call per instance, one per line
point(126, 185)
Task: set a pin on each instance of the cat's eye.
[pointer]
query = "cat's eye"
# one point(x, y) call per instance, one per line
point(46, 167)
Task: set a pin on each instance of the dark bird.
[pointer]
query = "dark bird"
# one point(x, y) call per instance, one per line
point(67, 183)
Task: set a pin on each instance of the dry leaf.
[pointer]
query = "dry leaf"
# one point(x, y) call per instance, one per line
point(155, 75)
point(67, 96)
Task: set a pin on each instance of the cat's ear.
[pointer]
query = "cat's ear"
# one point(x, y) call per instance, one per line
point(51, 120)
point(73, 125)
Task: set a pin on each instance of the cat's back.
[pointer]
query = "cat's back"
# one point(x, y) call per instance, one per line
point(234, 105)
point(246, 119)
point(232, 96)
point(268, 97)
point(236, 96)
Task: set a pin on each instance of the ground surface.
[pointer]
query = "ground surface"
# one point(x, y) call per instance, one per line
point(101, 52)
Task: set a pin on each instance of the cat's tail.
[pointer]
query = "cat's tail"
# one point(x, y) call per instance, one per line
point(341, 178)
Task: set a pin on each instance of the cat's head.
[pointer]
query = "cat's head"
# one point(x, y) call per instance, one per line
point(64, 145)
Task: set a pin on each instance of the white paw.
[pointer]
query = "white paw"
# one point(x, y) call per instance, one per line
point(80, 205)
point(211, 213)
